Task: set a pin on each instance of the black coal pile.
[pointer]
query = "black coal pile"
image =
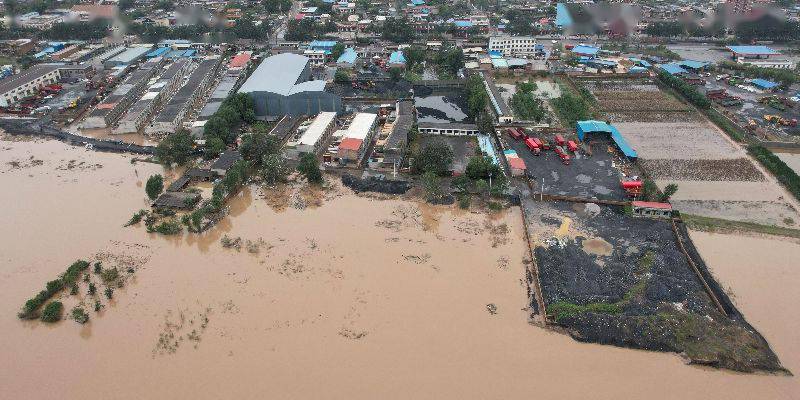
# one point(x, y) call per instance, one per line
point(644, 294)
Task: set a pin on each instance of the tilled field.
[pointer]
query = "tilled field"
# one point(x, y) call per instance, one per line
point(621, 85)
point(642, 293)
point(612, 101)
point(737, 169)
point(652, 116)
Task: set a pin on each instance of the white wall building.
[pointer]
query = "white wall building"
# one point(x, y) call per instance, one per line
point(513, 46)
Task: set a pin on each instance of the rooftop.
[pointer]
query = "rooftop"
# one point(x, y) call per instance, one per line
point(752, 50)
point(26, 76)
point(317, 128)
point(361, 125)
point(277, 74)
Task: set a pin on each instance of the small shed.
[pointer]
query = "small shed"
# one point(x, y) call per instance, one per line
point(651, 209)
point(764, 84)
point(225, 162)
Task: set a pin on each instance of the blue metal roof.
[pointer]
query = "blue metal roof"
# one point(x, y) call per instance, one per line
point(583, 49)
point(760, 50)
point(157, 52)
point(397, 57)
point(349, 56)
point(637, 69)
point(417, 2)
point(673, 69)
point(463, 24)
point(485, 143)
point(584, 127)
point(763, 83)
point(322, 44)
point(563, 18)
point(691, 64)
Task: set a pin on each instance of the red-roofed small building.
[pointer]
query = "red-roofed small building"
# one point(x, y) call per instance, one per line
point(350, 149)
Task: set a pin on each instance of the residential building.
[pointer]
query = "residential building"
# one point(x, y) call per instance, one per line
point(310, 138)
point(513, 46)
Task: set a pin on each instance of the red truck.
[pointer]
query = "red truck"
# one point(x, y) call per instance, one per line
point(632, 188)
point(533, 146)
point(559, 140)
point(562, 154)
point(572, 146)
point(542, 144)
point(515, 133)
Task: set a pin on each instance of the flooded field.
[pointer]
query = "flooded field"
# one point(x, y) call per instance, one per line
point(355, 298)
point(441, 108)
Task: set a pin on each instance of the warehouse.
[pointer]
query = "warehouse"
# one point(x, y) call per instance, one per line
point(282, 85)
point(584, 128)
point(128, 57)
point(313, 136)
point(109, 111)
point(175, 111)
point(138, 115)
point(27, 83)
point(357, 137)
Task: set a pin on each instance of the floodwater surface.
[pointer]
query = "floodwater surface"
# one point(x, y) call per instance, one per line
point(352, 298)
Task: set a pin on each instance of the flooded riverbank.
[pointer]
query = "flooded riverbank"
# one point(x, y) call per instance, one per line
point(355, 298)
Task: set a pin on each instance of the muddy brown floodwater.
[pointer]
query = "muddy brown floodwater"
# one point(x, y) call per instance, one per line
point(355, 298)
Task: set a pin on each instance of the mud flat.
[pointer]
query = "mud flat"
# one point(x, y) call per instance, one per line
point(639, 291)
point(355, 298)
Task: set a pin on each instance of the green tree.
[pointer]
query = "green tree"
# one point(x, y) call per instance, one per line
point(669, 190)
point(395, 73)
point(176, 148)
point(414, 56)
point(255, 146)
point(154, 186)
point(274, 169)
point(432, 185)
point(398, 30)
point(337, 51)
point(309, 167)
point(52, 311)
point(435, 157)
point(341, 76)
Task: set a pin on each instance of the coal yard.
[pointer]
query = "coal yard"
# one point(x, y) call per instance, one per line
point(610, 278)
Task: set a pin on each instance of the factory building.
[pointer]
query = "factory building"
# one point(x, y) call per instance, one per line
point(282, 85)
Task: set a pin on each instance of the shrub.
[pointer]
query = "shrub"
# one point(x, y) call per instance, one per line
point(464, 201)
point(109, 292)
point(92, 289)
point(309, 167)
point(52, 311)
point(98, 267)
point(109, 274)
point(79, 315)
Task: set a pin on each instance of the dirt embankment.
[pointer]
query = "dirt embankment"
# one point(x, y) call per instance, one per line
point(376, 185)
point(642, 293)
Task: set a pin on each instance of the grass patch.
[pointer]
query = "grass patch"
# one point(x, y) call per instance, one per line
point(710, 224)
point(564, 309)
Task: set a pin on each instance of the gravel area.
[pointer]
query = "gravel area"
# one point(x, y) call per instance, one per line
point(761, 212)
point(721, 190)
point(736, 169)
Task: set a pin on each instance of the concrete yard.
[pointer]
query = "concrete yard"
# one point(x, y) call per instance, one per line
point(596, 177)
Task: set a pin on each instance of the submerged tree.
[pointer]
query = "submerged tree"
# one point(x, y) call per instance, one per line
point(154, 186)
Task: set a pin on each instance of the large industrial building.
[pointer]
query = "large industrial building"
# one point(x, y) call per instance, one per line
point(283, 84)
point(28, 82)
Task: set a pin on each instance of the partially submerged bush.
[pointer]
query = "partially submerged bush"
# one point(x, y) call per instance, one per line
point(69, 278)
point(79, 315)
point(52, 311)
